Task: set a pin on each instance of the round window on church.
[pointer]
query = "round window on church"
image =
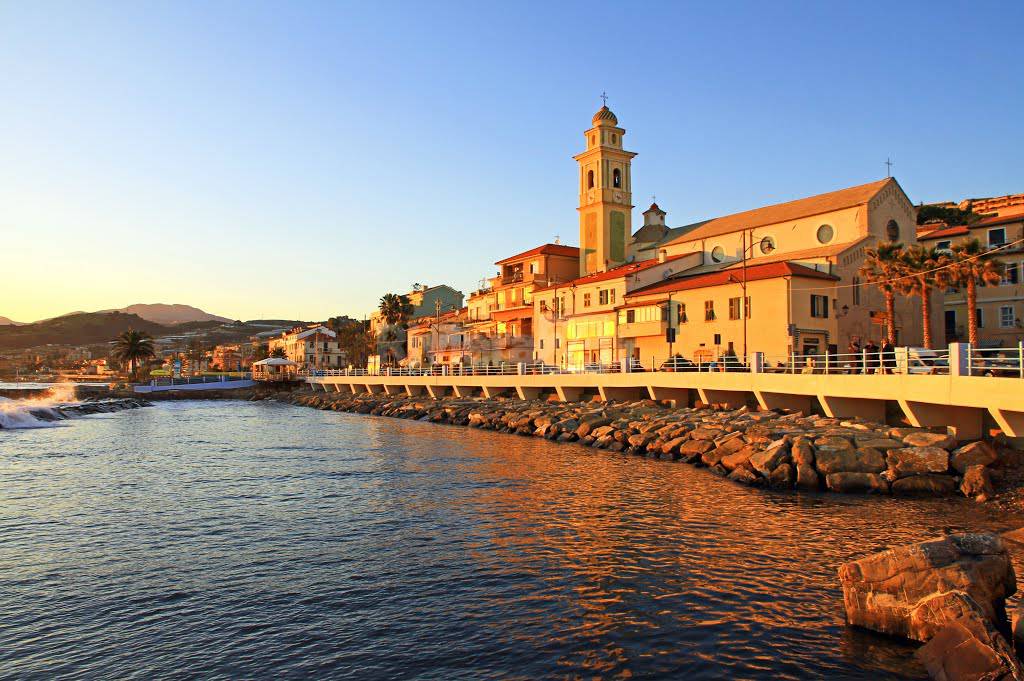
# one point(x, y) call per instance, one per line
point(718, 254)
point(825, 234)
point(892, 230)
point(767, 245)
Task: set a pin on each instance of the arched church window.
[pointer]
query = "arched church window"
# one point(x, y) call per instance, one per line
point(590, 179)
point(892, 230)
point(616, 178)
point(613, 138)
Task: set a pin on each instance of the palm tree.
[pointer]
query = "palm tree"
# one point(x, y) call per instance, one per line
point(395, 309)
point(969, 265)
point(921, 263)
point(882, 265)
point(134, 347)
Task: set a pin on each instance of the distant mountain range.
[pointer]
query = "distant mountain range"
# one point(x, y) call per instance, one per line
point(160, 313)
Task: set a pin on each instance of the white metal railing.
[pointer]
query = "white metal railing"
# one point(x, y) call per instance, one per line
point(999, 362)
point(994, 362)
point(200, 379)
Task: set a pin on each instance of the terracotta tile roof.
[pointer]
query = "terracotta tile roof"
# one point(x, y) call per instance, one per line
point(546, 249)
point(784, 212)
point(615, 272)
point(998, 220)
point(754, 273)
point(940, 233)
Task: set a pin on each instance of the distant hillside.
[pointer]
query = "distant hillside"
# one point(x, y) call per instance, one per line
point(4, 321)
point(163, 313)
point(77, 329)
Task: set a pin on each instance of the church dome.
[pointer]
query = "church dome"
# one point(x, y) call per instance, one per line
point(605, 117)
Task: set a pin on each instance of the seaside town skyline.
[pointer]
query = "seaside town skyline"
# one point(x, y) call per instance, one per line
point(196, 190)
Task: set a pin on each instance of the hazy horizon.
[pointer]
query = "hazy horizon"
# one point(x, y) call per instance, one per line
point(298, 162)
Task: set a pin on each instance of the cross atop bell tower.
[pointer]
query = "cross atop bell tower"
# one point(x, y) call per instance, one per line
point(605, 187)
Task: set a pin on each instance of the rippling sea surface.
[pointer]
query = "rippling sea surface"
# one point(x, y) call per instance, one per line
point(256, 540)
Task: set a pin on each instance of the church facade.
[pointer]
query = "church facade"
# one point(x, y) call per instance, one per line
point(778, 279)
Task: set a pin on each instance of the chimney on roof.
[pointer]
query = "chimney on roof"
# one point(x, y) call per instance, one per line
point(662, 255)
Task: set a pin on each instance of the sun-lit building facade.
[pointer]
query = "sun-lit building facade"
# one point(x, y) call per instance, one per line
point(791, 266)
point(1000, 308)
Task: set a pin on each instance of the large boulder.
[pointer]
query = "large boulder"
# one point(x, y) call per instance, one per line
point(917, 461)
point(977, 483)
point(925, 439)
point(882, 592)
point(847, 483)
point(782, 476)
point(978, 453)
point(802, 452)
point(807, 478)
point(970, 649)
point(926, 485)
point(736, 459)
point(867, 460)
point(776, 454)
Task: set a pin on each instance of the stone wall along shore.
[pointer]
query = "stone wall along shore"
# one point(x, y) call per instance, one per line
point(766, 449)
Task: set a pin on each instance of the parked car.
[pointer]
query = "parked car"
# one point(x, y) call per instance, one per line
point(678, 363)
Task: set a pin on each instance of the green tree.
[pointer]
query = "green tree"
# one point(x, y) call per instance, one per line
point(355, 340)
point(134, 347)
point(278, 353)
point(921, 263)
point(395, 309)
point(969, 265)
point(881, 266)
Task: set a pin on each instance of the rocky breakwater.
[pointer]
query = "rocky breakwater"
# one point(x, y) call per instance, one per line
point(758, 448)
point(24, 413)
point(949, 593)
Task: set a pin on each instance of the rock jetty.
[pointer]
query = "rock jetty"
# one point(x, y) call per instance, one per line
point(949, 593)
point(59, 412)
point(759, 448)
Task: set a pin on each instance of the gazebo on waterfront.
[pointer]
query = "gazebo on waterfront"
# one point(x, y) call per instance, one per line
point(275, 369)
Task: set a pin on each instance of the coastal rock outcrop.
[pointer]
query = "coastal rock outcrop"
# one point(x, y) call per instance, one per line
point(895, 591)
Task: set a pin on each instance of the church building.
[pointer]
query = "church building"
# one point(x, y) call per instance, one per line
point(778, 279)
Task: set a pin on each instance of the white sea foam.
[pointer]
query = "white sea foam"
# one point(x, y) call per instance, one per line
point(39, 412)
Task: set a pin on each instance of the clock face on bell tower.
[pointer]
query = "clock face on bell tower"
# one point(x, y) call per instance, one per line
point(605, 204)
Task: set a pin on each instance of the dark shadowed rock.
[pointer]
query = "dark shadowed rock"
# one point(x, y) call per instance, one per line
point(782, 476)
point(977, 483)
point(807, 478)
point(857, 482)
point(925, 485)
point(802, 452)
point(882, 591)
point(744, 475)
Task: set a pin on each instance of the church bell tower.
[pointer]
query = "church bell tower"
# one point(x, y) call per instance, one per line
point(605, 195)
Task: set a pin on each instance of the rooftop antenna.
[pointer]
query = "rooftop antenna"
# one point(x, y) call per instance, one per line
point(604, 98)
point(888, 167)
point(654, 198)
point(558, 239)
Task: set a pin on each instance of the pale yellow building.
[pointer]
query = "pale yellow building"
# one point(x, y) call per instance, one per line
point(1000, 308)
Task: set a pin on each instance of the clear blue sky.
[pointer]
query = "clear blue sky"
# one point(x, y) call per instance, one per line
point(300, 159)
